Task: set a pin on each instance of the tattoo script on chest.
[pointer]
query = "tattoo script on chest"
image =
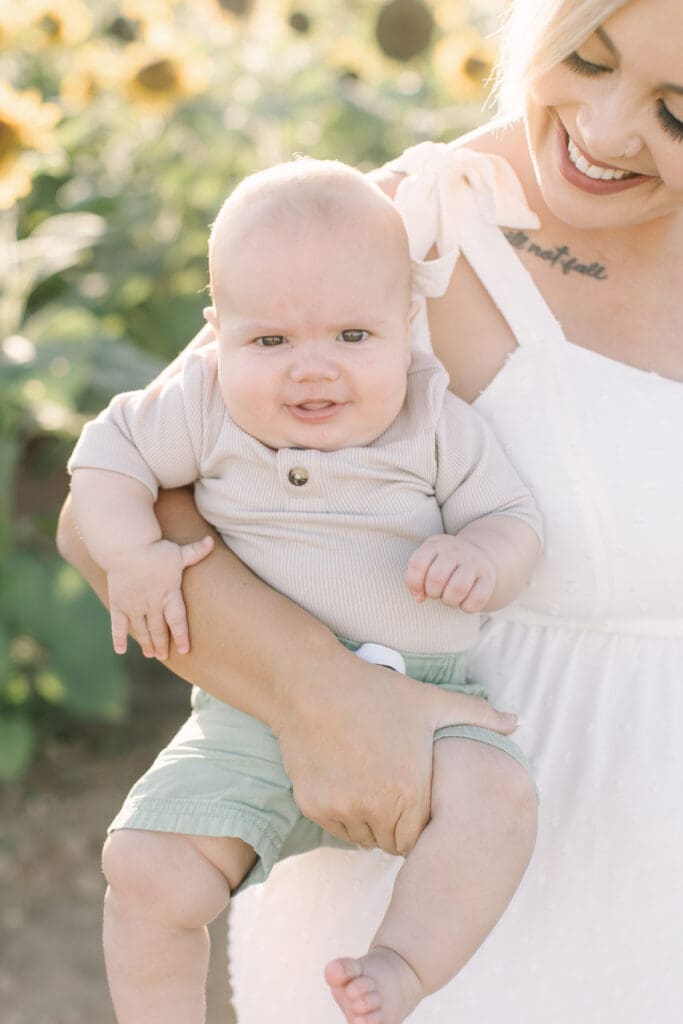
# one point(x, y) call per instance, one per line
point(556, 255)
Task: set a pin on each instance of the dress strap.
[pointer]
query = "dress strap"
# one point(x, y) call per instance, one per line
point(459, 199)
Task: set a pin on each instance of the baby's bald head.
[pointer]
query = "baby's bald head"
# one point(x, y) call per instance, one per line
point(301, 200)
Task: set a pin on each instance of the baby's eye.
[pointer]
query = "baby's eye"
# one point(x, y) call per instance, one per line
point(269, 340)
point(354, 335)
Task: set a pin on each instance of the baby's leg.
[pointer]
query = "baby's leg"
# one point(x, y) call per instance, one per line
point(453, 887)
point(163, 891)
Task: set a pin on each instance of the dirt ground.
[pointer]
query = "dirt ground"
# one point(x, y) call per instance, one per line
point(51, 831)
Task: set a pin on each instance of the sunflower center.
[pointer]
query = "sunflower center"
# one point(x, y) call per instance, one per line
point(238, 7)
point(10, 139)
point(160, 76)
point(51, 26)
point(476, 68)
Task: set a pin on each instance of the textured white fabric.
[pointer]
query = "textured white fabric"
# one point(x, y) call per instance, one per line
point(592, 659)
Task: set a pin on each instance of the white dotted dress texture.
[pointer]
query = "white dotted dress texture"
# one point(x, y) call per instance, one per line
point(590, 656)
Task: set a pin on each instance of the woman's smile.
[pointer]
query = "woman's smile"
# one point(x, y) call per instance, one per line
point(589, 174)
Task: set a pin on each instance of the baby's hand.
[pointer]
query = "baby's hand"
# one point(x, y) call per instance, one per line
point(145, 598)
point(454, 570)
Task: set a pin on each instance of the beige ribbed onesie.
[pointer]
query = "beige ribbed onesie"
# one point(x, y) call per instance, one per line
point(332, 530)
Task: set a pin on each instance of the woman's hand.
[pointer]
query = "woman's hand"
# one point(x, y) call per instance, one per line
point(356, 739)
point(357, 744)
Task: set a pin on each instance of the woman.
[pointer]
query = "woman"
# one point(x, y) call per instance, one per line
point(590, 412)
point(570, 342)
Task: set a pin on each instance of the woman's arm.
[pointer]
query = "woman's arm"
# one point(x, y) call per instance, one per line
point(356, 739)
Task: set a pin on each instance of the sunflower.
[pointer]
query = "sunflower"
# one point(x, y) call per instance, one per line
point(56, 23)
point(161, 76)
point(26, 129)
point(12, 20)
point(404, 28)
point(149, 10)
point(464, 62)
point(93, 70)
point(450, 15)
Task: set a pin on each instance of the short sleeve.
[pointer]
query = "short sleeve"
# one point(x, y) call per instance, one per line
point(154, 435)
point(474, 476)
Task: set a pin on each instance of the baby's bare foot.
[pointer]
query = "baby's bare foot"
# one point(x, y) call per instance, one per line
point(380, 988)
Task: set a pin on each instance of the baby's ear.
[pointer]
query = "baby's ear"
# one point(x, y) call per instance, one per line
point(211, 317)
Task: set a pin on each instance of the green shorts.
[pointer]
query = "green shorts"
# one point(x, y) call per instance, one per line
point(222, 775)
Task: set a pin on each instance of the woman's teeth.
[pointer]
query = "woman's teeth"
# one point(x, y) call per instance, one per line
point(590, 170)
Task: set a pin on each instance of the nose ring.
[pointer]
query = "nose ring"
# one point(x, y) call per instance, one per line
point(627, 148)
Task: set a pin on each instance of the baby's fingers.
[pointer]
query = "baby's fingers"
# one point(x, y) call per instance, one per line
point(119, 630)
point(139, 630)
point(479, 594)
point(196, 551)
point(176, 617)
point(158, 631)
point(457, 586)
point(448, 580)
point(417, 570)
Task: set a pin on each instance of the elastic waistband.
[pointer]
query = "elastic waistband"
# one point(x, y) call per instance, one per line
point(442, 669)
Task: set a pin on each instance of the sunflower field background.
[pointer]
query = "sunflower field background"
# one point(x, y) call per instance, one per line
point(123, 125)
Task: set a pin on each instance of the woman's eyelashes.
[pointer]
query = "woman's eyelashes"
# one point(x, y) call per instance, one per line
point(671, 125)
point(585, 67)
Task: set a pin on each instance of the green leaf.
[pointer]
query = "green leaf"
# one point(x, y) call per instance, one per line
point(46, 601)
point(79, 638)
point(4, 651)
point(17, 743)
point(9, 456)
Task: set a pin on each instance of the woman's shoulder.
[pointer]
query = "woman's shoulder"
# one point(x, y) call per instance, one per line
point(504, 141)
point(498, 140)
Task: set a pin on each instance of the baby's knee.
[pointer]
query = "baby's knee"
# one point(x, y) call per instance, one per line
point(164, 876)
point(487, 780)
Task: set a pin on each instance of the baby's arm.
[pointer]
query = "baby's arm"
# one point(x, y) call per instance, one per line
point(144, 440)
point(492, 536)
point(116, 518)
point(481, 568)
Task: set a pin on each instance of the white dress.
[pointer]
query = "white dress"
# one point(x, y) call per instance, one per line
point(591, 657)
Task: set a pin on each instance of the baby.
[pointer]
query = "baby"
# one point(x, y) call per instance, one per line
point(349, 478)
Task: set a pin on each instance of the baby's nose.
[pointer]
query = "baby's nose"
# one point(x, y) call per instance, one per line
point(314, 364)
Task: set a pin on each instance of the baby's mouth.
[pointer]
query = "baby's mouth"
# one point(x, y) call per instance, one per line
point(315, 411)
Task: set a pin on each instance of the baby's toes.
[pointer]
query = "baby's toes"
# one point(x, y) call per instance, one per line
point(373, 1017)
point(364, 996)
point(342, 972)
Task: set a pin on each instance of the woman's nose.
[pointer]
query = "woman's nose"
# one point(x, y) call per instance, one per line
point(609, 127)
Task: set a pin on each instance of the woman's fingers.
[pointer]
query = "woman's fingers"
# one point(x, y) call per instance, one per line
point(464, 709)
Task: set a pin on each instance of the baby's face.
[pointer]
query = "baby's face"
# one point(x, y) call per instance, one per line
point(314, 337)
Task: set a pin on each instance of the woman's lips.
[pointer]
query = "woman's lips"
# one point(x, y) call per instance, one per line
point(594, 186)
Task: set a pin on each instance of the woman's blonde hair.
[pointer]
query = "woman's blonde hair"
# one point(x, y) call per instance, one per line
point(539, 34)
